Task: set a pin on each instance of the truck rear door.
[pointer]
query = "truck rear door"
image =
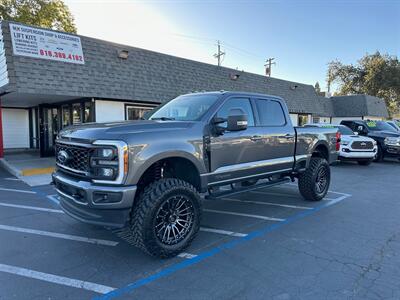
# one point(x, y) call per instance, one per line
point(277, 135)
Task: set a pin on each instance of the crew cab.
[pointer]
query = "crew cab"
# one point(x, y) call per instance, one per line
point(386, 137)
point(148, 177)
point(353, 147)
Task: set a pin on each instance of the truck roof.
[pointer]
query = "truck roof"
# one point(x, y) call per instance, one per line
point(241, 93)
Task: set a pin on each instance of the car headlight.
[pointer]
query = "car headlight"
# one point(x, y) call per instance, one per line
point(344, 143)
point(392, 141)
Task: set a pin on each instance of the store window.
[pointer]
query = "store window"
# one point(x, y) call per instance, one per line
point(88, 112)
point(76, 113)
point(134, 112)
point(66, 117)
point(302, 119)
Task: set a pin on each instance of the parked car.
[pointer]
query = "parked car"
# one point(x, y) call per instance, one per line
point(394, 124)
point(353, 147)
point(146, 177)
point(388, 140)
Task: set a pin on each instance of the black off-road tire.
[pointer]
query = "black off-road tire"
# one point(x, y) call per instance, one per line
point(142, 227)
point(379, 154)
point(307, 179)
point(364, 162)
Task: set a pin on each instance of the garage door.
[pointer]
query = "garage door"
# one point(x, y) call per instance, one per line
point(15, 128)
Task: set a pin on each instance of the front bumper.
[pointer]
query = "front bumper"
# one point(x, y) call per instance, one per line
point(90, 203)
point(392, 150)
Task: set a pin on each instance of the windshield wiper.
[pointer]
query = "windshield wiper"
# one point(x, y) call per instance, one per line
point(163, 119)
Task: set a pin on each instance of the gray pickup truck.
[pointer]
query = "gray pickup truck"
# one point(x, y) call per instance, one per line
point(148, 177)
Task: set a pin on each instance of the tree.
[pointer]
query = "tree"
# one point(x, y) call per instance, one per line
point(375, 74)
point(53, 14)
point(317, 88)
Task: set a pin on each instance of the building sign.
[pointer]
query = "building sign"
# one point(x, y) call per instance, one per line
point(46, 44)
point(3, 63)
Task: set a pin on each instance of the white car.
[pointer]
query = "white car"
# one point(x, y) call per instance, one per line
point(353, 147)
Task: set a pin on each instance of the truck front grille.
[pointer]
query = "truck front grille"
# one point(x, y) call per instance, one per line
point(73, 158)
point(362, 145)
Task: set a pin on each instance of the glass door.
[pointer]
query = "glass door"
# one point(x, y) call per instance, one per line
point(49, 124)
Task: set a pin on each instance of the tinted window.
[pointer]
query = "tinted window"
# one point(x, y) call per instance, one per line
point(237, 103)
point(270, 113)
point(379, 126)
point(345, 130)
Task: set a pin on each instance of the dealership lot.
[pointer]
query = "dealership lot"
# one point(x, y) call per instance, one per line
point(267, 243)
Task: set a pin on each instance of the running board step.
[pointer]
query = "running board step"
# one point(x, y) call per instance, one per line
point(238, 190)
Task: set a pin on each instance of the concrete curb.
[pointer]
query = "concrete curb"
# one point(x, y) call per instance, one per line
point(6, 165)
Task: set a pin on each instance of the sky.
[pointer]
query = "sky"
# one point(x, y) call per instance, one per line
point(302, 36)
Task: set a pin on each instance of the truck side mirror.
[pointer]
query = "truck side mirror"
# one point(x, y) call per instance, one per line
point(361, 130)
point(237, 122)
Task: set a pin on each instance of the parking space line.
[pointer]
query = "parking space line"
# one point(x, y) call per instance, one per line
point(12, 179)
point(333, 192)
point(224, 232)
point(31, 207)
point(243, 215)
point(186, 255)
point(89, 286)
point(59, 235)
point(18, 191)
point(53, 198)
point(266, 203)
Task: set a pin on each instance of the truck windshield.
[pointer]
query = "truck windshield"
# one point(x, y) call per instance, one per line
point(185, 108)
point(379, 126)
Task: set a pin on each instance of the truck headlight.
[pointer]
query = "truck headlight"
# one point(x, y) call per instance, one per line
point(392, 141)
point(106, 152)
point(109, 161)
point(344, 143)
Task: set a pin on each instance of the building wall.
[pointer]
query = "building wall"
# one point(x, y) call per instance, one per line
point(337, 120)
point(322, 120)
point(294, 117)
point(109, 111)
point(15, 128)
point(373, 118)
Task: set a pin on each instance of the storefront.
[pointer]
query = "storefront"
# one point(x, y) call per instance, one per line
point(50, 80)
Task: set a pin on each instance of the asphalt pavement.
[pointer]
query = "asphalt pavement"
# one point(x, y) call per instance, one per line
point(265, 244)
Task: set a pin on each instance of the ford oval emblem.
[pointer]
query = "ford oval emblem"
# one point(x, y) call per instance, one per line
point(63, 156)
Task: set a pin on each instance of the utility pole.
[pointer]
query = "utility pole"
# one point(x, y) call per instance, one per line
point(268, 66)
point(219, 54)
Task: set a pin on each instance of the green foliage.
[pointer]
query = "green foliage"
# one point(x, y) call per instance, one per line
point(53, 14)
point(375, 74)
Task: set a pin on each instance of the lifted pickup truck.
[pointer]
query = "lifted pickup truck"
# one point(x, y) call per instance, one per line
point(146, 177)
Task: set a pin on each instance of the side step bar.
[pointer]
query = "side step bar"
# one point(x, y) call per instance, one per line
point(238, 190)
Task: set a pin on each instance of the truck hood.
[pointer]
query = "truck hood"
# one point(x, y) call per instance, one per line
point(117, 130)
point(383, 134)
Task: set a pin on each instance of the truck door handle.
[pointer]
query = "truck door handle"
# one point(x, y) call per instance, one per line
point(255, 138)
point(287, 136)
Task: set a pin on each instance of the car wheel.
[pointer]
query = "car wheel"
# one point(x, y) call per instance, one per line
point(166, 217)
point(314, 181)
point(364, 162)
point(379, 154)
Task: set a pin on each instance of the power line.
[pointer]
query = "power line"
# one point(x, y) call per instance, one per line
point(268, 66)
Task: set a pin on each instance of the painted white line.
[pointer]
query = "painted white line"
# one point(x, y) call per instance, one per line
point(266, 203)
point(90, 286)
point(225, 232)
point(60, 235)
point(339, 193)
point(243, 215)
point(275, 194)
point(32, 207)
point(12, 179)
point(337, 200)
point(54, 198)
point(187, 255)
point(18, 191)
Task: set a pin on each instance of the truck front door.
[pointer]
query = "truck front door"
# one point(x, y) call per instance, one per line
point(232, 154)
